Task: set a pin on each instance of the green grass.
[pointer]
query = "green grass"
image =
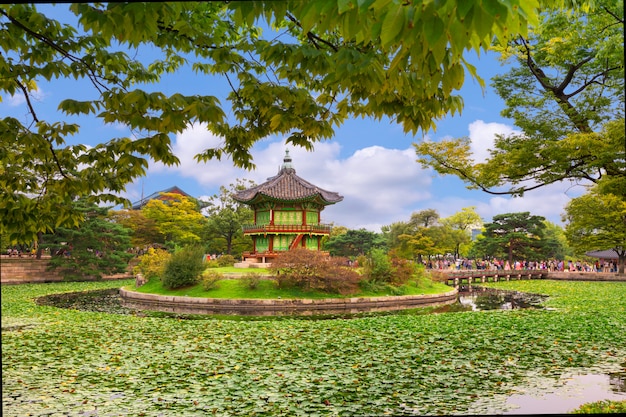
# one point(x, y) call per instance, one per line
point(73, 363)
point(232, 269)
point(267, 289)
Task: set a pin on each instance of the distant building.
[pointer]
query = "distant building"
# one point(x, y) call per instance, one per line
point(159, 196)
point(286, 214)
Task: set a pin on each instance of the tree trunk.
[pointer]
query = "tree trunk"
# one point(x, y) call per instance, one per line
point(39, 248)
point(620, 263)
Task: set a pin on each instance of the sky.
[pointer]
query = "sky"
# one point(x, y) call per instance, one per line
point(371, 163)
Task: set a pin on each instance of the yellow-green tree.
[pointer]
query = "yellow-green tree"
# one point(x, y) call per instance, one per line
point(461, 225)
point(597, 221)
point(565, 91)
point(178, 219)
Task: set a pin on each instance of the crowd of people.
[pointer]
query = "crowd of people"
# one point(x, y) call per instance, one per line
point(600, 265)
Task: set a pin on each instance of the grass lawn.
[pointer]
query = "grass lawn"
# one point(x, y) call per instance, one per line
point(267, 289)
point(61, 362)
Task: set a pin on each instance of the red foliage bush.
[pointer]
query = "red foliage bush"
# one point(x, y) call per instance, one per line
point(314, 271)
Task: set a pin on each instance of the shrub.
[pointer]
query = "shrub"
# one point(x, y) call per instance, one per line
point(184, 267)
point(438, 276)
point(381, 270)
point(210, 280)
point(226, 260)
point(402, 271)
point(152, 263)
point(377, 267)
point(212, 263)
point(314, 271)
point(251, 280)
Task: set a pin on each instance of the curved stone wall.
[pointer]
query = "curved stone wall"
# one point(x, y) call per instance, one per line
point(279, 307)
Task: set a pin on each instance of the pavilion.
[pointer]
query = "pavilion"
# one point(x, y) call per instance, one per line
point(286, 215)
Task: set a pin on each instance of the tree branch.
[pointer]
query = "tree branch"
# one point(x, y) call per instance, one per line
point(313, 37)
point(32, 111)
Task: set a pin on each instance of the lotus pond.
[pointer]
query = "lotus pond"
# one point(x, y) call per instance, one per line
point(64, 362)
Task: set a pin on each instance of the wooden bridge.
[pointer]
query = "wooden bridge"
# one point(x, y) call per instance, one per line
point(469, 277)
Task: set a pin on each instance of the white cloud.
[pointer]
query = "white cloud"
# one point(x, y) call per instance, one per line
point(483, 136)
point(17, 100)
point(379, 185)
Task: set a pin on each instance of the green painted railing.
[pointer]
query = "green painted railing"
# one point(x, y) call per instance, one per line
point(288, 228)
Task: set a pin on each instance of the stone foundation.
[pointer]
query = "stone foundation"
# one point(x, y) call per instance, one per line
point(278, 307)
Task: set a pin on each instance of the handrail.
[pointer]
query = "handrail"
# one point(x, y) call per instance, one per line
point(295, 228)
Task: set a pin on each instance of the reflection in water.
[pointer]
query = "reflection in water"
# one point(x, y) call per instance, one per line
point(472, 298)
point(577, 390)
point(549, 396)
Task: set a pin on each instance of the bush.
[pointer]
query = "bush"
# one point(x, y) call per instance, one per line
point(251, 280)
point(314, 271)
point(226, 260)
point(152, 263)
point(377, 267)
point(210, 280)
point(381, 270)
point(184, 267)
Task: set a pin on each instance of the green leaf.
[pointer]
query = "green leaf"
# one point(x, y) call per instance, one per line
point(393, 24)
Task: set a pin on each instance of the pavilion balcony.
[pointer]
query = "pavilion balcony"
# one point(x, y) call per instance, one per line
point(316, 229)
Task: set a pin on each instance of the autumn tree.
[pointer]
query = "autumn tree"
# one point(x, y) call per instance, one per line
point(328, 61)
point(565, 91)
point(178, 219)
point(144, 230)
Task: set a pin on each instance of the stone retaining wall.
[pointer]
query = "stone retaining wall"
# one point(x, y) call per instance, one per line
point(31, 270)
point(276, 307)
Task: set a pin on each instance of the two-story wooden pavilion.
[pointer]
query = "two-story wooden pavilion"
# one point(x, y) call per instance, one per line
point(286, 214)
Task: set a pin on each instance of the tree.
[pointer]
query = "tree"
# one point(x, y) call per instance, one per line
point(597, 221)
point(354, 243)
point(555, 242)
point(566, 93)
point(144, 230)
point(342, 59)
point(424, 218)
point(514, 236)
point(178, 219)
point(226, 218)
point(462, 224)
point(98, 247)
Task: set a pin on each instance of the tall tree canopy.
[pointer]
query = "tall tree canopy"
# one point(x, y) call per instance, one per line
point(566, 93)
point(226, 216)
point(354, 243)
point(334, 60)
point(516, 236)
point(98, 247)
point(177, 218)
point(597, 221)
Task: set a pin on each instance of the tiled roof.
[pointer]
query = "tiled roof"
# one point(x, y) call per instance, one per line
point(139, 204)
point(603, 254)
point(287, 186)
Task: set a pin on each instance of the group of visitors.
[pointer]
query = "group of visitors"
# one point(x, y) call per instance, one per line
point(603, 265)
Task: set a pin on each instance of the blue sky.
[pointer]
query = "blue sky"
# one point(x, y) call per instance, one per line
point(371, 163)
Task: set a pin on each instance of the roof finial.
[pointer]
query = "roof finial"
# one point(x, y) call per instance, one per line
point(287, 161)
